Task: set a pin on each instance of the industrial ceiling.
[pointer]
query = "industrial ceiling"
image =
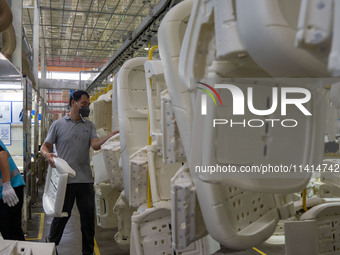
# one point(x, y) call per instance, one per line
point(85, 33)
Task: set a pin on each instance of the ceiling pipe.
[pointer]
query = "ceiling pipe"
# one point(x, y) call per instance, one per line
point(6, 16)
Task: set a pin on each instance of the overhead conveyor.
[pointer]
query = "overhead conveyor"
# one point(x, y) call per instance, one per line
point(145, 31)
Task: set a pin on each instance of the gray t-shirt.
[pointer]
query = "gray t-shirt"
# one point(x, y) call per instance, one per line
point(73, 142)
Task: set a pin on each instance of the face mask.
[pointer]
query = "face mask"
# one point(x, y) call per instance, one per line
point(84, 111)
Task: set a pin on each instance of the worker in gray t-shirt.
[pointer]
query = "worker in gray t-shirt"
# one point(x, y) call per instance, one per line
point(73, 136)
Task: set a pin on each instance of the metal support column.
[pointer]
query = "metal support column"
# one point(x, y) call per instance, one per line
point(43, 61)
point(17, 24)
point(36, 41)
point(27, 147)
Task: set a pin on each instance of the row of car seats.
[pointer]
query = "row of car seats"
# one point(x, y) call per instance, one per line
point(288, 44)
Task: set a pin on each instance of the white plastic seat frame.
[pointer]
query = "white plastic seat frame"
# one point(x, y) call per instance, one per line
point(160, 173)
point(249, 140)
point(115, 122)
point(270, 40)
point(155, 84)
point(132, 112)
point(150, 231)
point(334, 56)
point(102, 111)
point(171, 33)
point(105, 199)
point(107, 162)
point(55, 188)
point(316, 233)
point(239, 226)
point(111, 150)
point(151, 234)
point(124, 213)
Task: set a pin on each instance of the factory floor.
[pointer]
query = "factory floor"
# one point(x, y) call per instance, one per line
point(38, 229)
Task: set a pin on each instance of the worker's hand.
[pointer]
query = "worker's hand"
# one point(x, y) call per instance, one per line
point(8, 194)
point(49, 157)
point(114, 133)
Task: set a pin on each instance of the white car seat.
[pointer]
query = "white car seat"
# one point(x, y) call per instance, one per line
point(105, 199)
point(55, 188)
point(160, 172)
point(270, 40)
point(132, 113)
point(124, 213)
point(316, 233)
point(234, 217)
point(172, 146)
point(151, 233)
point(102, 112)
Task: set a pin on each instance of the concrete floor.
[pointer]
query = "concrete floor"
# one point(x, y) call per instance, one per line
point(105, 244)
point(71, 241)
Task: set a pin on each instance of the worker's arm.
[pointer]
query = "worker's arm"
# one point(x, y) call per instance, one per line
point(4, 166)
point(96, 143)
point(45, 151)
point(8, 194)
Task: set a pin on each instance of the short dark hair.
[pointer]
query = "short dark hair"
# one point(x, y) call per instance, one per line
point(77, 95)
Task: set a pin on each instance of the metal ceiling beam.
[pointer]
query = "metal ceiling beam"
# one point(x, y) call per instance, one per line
point(91, 61)
point(89, 12)
point(98, 28)
point(130, 4)
point(74, 20)
point(108, 21)
point(58, 84)
point(142, 34)
point(83, 49)
point(76, 40)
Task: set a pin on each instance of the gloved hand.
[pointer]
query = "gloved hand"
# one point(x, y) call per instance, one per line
point(8, 194)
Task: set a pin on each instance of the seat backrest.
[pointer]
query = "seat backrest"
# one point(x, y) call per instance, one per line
point(155, 84)
point(234, 217)
point(160, 172)
point(245, 144)
point(170, 37)
point(102, 111)
point(132, 112)
point(55, 188)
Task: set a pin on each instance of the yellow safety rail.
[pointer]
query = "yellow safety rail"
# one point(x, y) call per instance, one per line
point(109, 87)
point(100, 92)
point(304, 202)
point(149, 137)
